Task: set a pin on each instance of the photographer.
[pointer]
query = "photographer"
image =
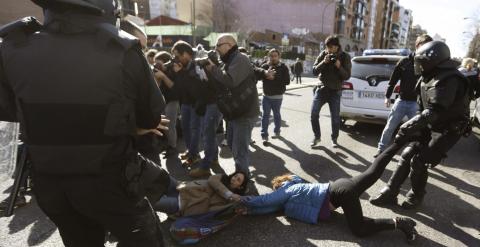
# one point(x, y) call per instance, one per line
point(333, 67)
point(184, 75)
point(236, 73)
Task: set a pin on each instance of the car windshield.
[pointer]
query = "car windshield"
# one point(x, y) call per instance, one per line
point(381, 67)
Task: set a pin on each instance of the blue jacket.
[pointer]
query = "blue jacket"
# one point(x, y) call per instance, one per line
point(300, 200)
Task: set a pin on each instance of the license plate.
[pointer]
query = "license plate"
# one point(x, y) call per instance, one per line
point(371, 95)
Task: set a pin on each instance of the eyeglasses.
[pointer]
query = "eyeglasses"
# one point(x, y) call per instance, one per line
point(220, 44)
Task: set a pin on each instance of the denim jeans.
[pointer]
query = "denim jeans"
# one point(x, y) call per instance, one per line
point(400, 109)
point(238, 137)
point(209, 129)
point(190, 129)
point(332, 97)
point(171, 111)
point(168, 203)
point(268, 105)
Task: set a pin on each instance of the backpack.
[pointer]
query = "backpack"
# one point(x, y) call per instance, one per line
point(191, 229)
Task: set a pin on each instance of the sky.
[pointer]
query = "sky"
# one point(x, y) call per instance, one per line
point(446, 18)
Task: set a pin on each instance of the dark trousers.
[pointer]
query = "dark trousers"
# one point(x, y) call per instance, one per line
point(85, 207)
point(431, 148)
point(345, 193)
point(299, 78)
point(321, 96)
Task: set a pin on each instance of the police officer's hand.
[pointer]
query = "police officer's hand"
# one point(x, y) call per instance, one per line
point(177, 67)
point(387, 103)
point(162, 126)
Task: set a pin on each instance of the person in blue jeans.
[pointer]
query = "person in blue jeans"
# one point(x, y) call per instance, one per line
point(313, 202)
point(333, 66)
point(400, 110)
point(209, 125)
point(406, 104)
point(273, 90)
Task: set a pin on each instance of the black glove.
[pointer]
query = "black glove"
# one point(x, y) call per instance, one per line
point(414, 126)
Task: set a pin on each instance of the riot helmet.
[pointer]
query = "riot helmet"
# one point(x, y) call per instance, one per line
point(109, 10)
point(431, 55)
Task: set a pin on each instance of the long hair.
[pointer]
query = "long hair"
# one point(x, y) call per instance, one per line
point(279, 180)
point(240, 190)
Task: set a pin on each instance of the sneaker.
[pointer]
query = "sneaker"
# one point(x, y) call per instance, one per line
point(265, 140)
point(276, 135)
point(412, 201)
point(199, 172)
point(407, 226)
point(385, 197)
point(334, 144)
point(184, 156)
point(378, 153)
point(315, 142)
point(252, 142)
point(191, 161)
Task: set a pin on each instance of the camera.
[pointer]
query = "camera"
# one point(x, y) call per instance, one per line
point(210, 55)
point(332, 57)
point(166, 67)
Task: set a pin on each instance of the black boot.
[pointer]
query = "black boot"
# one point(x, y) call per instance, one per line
point(407, 226)
point(413, 200)
point(418, 178)
point(384, 198)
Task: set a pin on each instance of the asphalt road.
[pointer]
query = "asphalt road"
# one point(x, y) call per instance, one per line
point(450, 215)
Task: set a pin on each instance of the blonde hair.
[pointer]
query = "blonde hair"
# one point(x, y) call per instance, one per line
point(279, 180)
point(468, 61)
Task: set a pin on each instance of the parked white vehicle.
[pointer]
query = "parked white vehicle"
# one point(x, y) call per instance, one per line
point(363, 95)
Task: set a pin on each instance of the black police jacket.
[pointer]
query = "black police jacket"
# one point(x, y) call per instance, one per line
point(80, 91)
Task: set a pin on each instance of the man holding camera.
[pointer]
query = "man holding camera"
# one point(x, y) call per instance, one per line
point(333, 66)
point(237, 70)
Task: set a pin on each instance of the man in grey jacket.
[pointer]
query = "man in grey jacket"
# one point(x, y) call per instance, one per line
point(234, 71)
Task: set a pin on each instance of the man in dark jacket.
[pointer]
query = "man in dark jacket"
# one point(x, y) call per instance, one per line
point(406, 104)
point(236, 70)
point(443, 119)
point(79, 130)
point(273, 90)
point(333, 66)
point(298, 70)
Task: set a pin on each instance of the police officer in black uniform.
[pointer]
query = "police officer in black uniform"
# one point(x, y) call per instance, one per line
point(443, 119)
point(82, 90)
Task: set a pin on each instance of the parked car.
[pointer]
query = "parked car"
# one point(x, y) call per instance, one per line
point(363, 95)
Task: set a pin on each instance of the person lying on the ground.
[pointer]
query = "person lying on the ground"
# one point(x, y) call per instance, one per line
point(312, 202)
point(202, 196)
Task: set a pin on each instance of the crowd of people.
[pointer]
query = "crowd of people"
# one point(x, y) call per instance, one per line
point(125, 105)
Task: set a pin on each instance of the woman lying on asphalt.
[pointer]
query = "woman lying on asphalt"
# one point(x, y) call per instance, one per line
point(202, 196)
point(311, 202)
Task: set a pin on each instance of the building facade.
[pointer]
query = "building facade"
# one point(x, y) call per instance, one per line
point(352, 23)
point(405, 23)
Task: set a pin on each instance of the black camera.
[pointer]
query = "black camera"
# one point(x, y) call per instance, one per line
point(166, 67)
point(332, 57)
point(211, 55)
